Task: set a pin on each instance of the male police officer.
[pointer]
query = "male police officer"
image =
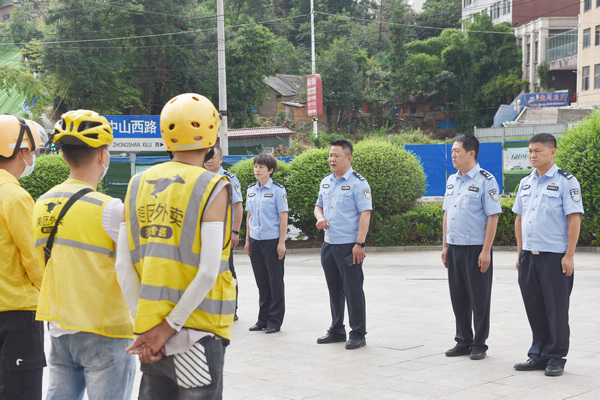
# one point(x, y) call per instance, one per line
point(214, 165)
point(178, 228)
point(471, 208)
point(549, 209)
point(21, 336)
point(343, 210)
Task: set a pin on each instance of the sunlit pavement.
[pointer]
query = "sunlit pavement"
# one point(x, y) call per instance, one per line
point(410, 325)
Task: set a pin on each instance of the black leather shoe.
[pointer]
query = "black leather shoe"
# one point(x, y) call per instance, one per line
point(477, 354)
point(355, 343)
point(256, 327)
point(272, 330)
point(553, 370)
point(458, 350)
point(529, 365)
point(331, 338)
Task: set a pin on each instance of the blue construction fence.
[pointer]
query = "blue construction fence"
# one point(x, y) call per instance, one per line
point(437, 163)
point(435, 158)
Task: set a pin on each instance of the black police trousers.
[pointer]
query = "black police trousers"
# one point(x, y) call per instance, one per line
point(470, 293)
point(546, 291)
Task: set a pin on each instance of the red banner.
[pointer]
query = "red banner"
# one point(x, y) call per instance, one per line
point(314, 96)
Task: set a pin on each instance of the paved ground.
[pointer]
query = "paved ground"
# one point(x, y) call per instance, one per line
point(410, 325)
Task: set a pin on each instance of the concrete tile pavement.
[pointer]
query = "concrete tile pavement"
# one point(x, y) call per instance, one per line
point(410, 325)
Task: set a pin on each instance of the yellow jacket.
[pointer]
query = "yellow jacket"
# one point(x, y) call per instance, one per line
point(80, 289)
point(20, 270)
point(164, 207)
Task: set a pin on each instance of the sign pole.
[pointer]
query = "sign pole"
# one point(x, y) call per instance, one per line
point(313, 58)
point(222, 77)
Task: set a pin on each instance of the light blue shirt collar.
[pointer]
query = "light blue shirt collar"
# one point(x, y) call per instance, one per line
point(548, 173)
point(346, 175)
point(472, 172)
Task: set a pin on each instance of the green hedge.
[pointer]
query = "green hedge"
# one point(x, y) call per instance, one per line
point(422, 226)
point(50, 170)
point(579, 153)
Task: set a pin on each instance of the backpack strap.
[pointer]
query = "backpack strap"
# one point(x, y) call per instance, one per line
point(63, 211)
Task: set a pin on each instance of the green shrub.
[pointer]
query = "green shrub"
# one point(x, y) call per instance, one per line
point(395, 175)
point(505, 234)
point(579, 153)
point(50, 170)
point(304, 174)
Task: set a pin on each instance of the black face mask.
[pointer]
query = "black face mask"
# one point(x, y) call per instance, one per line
point(209, 155)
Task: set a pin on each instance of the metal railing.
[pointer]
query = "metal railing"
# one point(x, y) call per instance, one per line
point(562, 45)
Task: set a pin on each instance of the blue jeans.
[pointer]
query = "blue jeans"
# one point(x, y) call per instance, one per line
point(89, 360)
point(163, 380)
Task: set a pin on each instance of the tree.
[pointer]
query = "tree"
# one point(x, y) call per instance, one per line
point(249, 61)
point(437, 15)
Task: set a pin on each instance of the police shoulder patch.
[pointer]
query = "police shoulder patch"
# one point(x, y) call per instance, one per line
point(359, 176)
point(486, 174)
point(564, 173)
point(277, 184)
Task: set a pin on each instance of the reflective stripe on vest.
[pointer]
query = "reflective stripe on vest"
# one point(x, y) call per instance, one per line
point(78, 245)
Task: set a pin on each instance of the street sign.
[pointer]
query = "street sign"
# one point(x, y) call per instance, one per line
point(314, 96)
point(135, 133)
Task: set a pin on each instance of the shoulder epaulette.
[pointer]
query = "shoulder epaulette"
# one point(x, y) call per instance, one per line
point(564, 173)
point(453, 173)
point(277, 184)
point(359, 176)
point(254, 184)
point(487, 175)
point(228, 174)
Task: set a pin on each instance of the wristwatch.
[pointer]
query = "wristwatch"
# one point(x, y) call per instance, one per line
point(361, 244)
point(236, 232)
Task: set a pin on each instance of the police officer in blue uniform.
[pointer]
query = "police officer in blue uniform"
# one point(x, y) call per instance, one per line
point(471, 207)
point(343, 210)
point(214, 165)
point(266, 204)
point(549, 209)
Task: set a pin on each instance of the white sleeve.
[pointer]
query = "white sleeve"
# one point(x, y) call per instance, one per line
point(208, 270)
point(127, 276)
point(111, 218)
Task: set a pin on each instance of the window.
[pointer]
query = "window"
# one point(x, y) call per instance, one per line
point(536, 51)
point(597, 76)
point(585, 78)
point(587, 5)
point(587, 38)
point(597, 35)
point(528, 53)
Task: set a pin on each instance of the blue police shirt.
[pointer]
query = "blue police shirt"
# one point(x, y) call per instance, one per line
point(468, 201)
point(544, 204)
point(236, 192)
point(342, 201)
point(264, 205)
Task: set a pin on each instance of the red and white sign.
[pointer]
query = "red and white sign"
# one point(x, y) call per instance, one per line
point(314, 95)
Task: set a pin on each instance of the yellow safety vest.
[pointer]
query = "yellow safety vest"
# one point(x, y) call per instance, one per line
point(80, 289)
point(164, 207)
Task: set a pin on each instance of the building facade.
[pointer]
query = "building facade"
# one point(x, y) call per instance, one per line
point(550, 42)
point(588, 65)
point(499, 10)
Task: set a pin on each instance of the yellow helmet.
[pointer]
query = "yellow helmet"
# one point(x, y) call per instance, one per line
point(17, 133)
point(82, 128)
point(189, 122)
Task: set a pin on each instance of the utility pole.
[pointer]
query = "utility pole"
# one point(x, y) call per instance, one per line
point(313, 58)
point(222, 77)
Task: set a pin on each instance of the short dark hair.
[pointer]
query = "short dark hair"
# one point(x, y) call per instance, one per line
point(544, 138)
point(344, 144)
point(267, 160)
point(469, 142)
point(79, 156)
point(217, 149)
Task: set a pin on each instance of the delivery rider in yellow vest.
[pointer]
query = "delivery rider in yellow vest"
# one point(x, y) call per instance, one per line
point(178, 218)
point(21, 336)
point(90, 323)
